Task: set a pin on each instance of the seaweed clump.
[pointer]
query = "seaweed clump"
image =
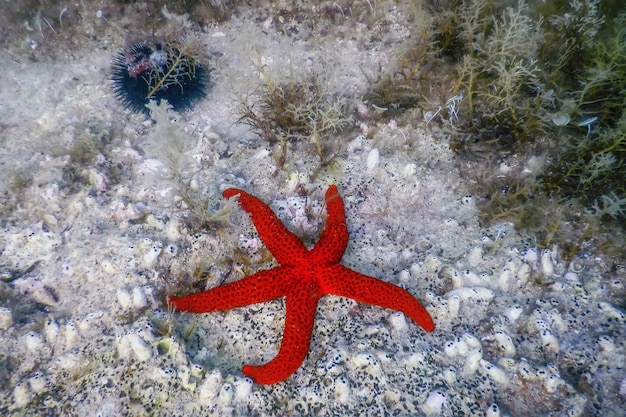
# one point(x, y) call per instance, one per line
point(536, 92)
point(298, 109)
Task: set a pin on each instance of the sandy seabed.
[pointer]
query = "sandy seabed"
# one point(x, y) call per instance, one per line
point(97, 230)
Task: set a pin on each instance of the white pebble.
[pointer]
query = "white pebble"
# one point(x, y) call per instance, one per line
point(513, 313)
point(243, 389)
point(210, 387)
point(225, 396)
point(71, 361)
point(38, 383)
point(398, 321)
point(197, 370)
point(139, 298)
point(184, 374)
point(34, 342)
point(571, 276)
point(547, 267)
point(493, 411)
point(494, 372)
point(454, 306)
point(475, 257)
point(151, 256)
point(434, 403)
point(124, 298)
point(549, 341)
point(552, 382)
point(475, 293)
point(342, 390)
point(51, 330)
point(373, 159)
point(472, 361)
point(141, 350)
point(409, 170)
point(21, 394)
point(6, 318)
point(523, 274)
point(71, 334)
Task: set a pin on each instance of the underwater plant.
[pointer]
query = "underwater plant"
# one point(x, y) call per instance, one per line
point(298, 109)
point(544, 84)
point(407, 82)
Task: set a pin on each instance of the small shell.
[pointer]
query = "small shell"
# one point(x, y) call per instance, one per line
point(342, 390)
point(225, 396)
point(243, 389)
point(6, 318)
point(434, 403)
point(373, 159)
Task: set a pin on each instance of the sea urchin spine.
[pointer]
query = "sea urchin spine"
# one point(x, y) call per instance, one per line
point(141, 73)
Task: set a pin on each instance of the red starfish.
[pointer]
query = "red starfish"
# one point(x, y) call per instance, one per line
point(303, 277)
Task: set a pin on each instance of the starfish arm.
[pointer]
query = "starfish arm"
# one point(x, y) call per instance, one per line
point(345, 282)
point(284, 245)
point(334, 239)
point(301, 304)
point(263, 286)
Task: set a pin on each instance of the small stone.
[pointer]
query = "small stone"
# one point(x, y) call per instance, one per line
point(434, 403)
point(398, 321)
point(21, 395)
point(38, 383)
point(141, 350)
point(342, 390)
point(71, 335)
point(243, 389)
point(51, 330)
point(6, 318)
point(373, 159)
point(225, 396)
point(34, 342)
point(139, 298)
point(493, 411)
point(124, 298)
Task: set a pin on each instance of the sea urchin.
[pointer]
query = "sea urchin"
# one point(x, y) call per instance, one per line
point(141, 73)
